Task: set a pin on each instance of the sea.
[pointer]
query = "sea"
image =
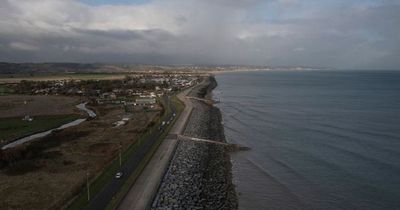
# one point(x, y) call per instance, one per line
point(318, 139)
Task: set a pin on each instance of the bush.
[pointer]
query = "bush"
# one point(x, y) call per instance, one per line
point(11, 155)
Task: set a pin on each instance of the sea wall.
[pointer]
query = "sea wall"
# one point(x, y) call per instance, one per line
point(199, 176)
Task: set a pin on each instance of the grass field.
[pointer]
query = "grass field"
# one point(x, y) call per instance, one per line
point(13, 128)
point(36, 105)
point(15, 78)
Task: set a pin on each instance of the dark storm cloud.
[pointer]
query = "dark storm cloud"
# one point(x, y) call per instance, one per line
point(203, 32)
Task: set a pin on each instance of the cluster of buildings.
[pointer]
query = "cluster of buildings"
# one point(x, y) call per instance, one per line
point(135, 90)
point(135, 85)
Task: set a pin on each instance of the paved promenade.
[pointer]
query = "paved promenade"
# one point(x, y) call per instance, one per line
point(140, 196)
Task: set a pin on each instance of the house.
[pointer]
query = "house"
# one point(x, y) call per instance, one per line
point(111, 96)
point(145, 101)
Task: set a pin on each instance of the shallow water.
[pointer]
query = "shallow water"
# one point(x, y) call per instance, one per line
point(20, 141)
point(319, 139)
point(83, 107)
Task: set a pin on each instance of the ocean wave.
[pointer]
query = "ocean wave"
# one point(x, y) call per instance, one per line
point(366, 132)
point(364, 142)
point(366, 158)
point(289, 194)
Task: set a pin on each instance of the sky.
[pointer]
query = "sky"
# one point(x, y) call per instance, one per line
point(342, 34)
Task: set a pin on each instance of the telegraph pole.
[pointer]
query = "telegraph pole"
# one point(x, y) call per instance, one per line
point(169, 102)
point(87, 185)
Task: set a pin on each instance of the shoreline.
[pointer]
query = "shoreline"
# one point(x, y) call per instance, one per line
point(143, 191)
point(200, 174)
point(262, 70)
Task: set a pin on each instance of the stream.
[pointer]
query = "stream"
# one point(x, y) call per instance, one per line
point(81, 107)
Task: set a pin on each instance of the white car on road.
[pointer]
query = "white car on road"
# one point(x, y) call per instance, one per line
point(118, 175)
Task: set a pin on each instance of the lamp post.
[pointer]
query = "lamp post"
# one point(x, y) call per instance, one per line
point(120, 156)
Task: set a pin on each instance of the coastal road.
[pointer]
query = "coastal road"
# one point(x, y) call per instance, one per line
point(141, 194)
point(101, 200)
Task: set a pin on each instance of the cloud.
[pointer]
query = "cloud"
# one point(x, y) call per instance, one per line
point(341, 34)
point(23, 46)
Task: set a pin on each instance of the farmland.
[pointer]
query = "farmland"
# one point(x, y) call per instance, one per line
point(15, 78)
point(21, 105)
point(48, 172)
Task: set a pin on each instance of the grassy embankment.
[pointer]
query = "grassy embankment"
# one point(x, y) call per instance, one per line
point(14, 128)
point(4, 90)
point(108, 174)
